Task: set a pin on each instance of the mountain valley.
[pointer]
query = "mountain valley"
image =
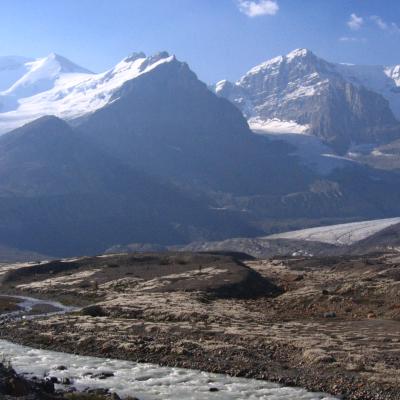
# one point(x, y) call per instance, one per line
point(199, 200)
point(148, 130)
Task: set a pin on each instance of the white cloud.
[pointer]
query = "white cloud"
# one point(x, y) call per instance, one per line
point(257, 8)
point(380, 22)
point(385, 26)
point(355, 22)
point(352, 39)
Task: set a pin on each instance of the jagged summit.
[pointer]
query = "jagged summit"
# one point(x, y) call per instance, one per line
point(161, 55)
point(299, 55)
point(135, 56)
point(301, 52)
point(303, 93)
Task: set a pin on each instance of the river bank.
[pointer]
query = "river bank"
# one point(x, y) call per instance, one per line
point(14, 386)
point(143, 381)
point(300, 334)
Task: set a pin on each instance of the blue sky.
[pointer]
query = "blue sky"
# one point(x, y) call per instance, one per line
point(218, 38)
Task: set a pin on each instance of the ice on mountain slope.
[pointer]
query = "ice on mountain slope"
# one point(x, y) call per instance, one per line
point(343, 234)
point(220, 85)
point(275, 125)
point(42, 75)
point(297, 53)
point(74, 92)
point(260, 92)
point(240, 94)
point(274, 63)
point(310, 149)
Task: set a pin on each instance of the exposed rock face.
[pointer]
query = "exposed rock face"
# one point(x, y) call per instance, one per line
point(312, 92)
point(168, 123)
point(380, 79)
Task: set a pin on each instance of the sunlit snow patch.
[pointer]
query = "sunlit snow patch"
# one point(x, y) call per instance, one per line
point(275, 125)
point(342, 234)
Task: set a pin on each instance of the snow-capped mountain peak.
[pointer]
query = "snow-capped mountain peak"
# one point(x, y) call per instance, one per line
point(62, 64)
point(42, 74)
point(302, 93)
point(298, 53)
point(276, 61)
point(220, 85)
point(53, 85)
point(134, 56)
point(137, 64)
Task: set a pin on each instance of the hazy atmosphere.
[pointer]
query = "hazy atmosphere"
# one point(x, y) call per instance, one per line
point(200, 200)
point(219, 39)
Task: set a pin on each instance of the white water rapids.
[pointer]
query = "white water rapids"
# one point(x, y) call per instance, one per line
point(142, 380)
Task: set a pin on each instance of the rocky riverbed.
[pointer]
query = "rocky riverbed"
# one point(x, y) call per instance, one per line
point(81, 376)
point(329, 324)
point(14, 386)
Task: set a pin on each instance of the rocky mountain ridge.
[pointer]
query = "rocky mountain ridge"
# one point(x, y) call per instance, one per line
point(159, 158)
point(302, 93)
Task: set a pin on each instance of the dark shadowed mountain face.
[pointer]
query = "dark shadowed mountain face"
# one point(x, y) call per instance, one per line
point(48, 157)
point(61, 195)
point(169, 124)
point(318, 96)
point(166, 161)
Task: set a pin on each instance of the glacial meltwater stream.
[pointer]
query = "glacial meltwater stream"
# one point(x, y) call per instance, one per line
point(144, 381)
